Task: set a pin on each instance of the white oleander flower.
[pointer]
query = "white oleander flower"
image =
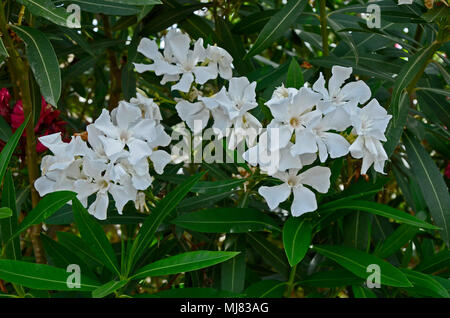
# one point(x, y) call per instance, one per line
point(239, 99)
point(179, 62)
point(304, 199)
point(335, 96)
point(281, 93)
point(317, 136)
point(195, 115)
point(100, 180)
point(292, 115)
point(370, 123)
point(245, 127)
point(221, 60)
point(128, 129)
point(278, 160)
point(148, 107)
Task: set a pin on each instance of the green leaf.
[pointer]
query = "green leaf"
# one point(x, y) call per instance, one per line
point(435, 263)
point(357, 262)
point(234, 45)
point(357, 229)
point(233, 271)
point(253, 23)
point(404, 78)
point(61, 256)
point(331, 279)
point(426, 282)
point(108, 288)
point(93, 234)
point(158, 215)
point(185, 262)
point(9, 225)
point(362, 292)
point(43, 62)
point(79, 247)
point(431, 183)
point(8, 150)
point(402, 235)
point(266, 288)
point(40, 276)
point(226, 220)
point(209, 187)
point(191, 292)
point(271, 254)
point(277, 25)
point(136, 2)
point(203, 200)
point(47, 10)
point(297, 236)
point(5, 130)
point(377, 209)
point(167, 17)
point(294, 75)
point(5, 212)
point(3, 51)
point(48, 205)
point(105, 7)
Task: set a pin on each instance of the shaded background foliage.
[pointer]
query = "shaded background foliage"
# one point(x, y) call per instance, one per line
point(400, 221)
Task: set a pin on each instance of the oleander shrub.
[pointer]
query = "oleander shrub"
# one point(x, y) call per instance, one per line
point(184, 148)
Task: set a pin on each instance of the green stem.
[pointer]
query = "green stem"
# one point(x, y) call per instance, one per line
point(291, 282)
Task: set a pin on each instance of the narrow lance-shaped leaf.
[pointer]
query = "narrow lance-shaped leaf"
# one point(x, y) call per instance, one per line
point(93, 234)
point(43, 62)
point(5, 212)
point(297, 236)
point(277, 25)
point(47, 10)
point(9, 225)
point(162, 210)
point(184, 262)
point(431, 183)
point(226, 220)
point(358, 263)
point(108, 288)
point(105, 7)
point(399, 100)
point(8, 150)
point(43, 277)
point(294, 75)
point(377, 209)
point(48, 205)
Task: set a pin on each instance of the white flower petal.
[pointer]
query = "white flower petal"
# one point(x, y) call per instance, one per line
point(160, 159)
point(336, 144)
point(100, 206)
point(317, 177)
point(275, 195)
point(184, 84)
point(304, 201)
point(339, 75)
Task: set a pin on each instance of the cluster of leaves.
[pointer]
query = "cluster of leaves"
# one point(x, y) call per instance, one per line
point(209, 233)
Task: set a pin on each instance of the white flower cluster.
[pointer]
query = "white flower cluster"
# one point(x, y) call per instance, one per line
point(307, 122)
point(114, 160)
point(179, 63)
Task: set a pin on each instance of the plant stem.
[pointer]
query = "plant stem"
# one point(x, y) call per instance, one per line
point(19, 71)
point(324, 32)
point(291, 282)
